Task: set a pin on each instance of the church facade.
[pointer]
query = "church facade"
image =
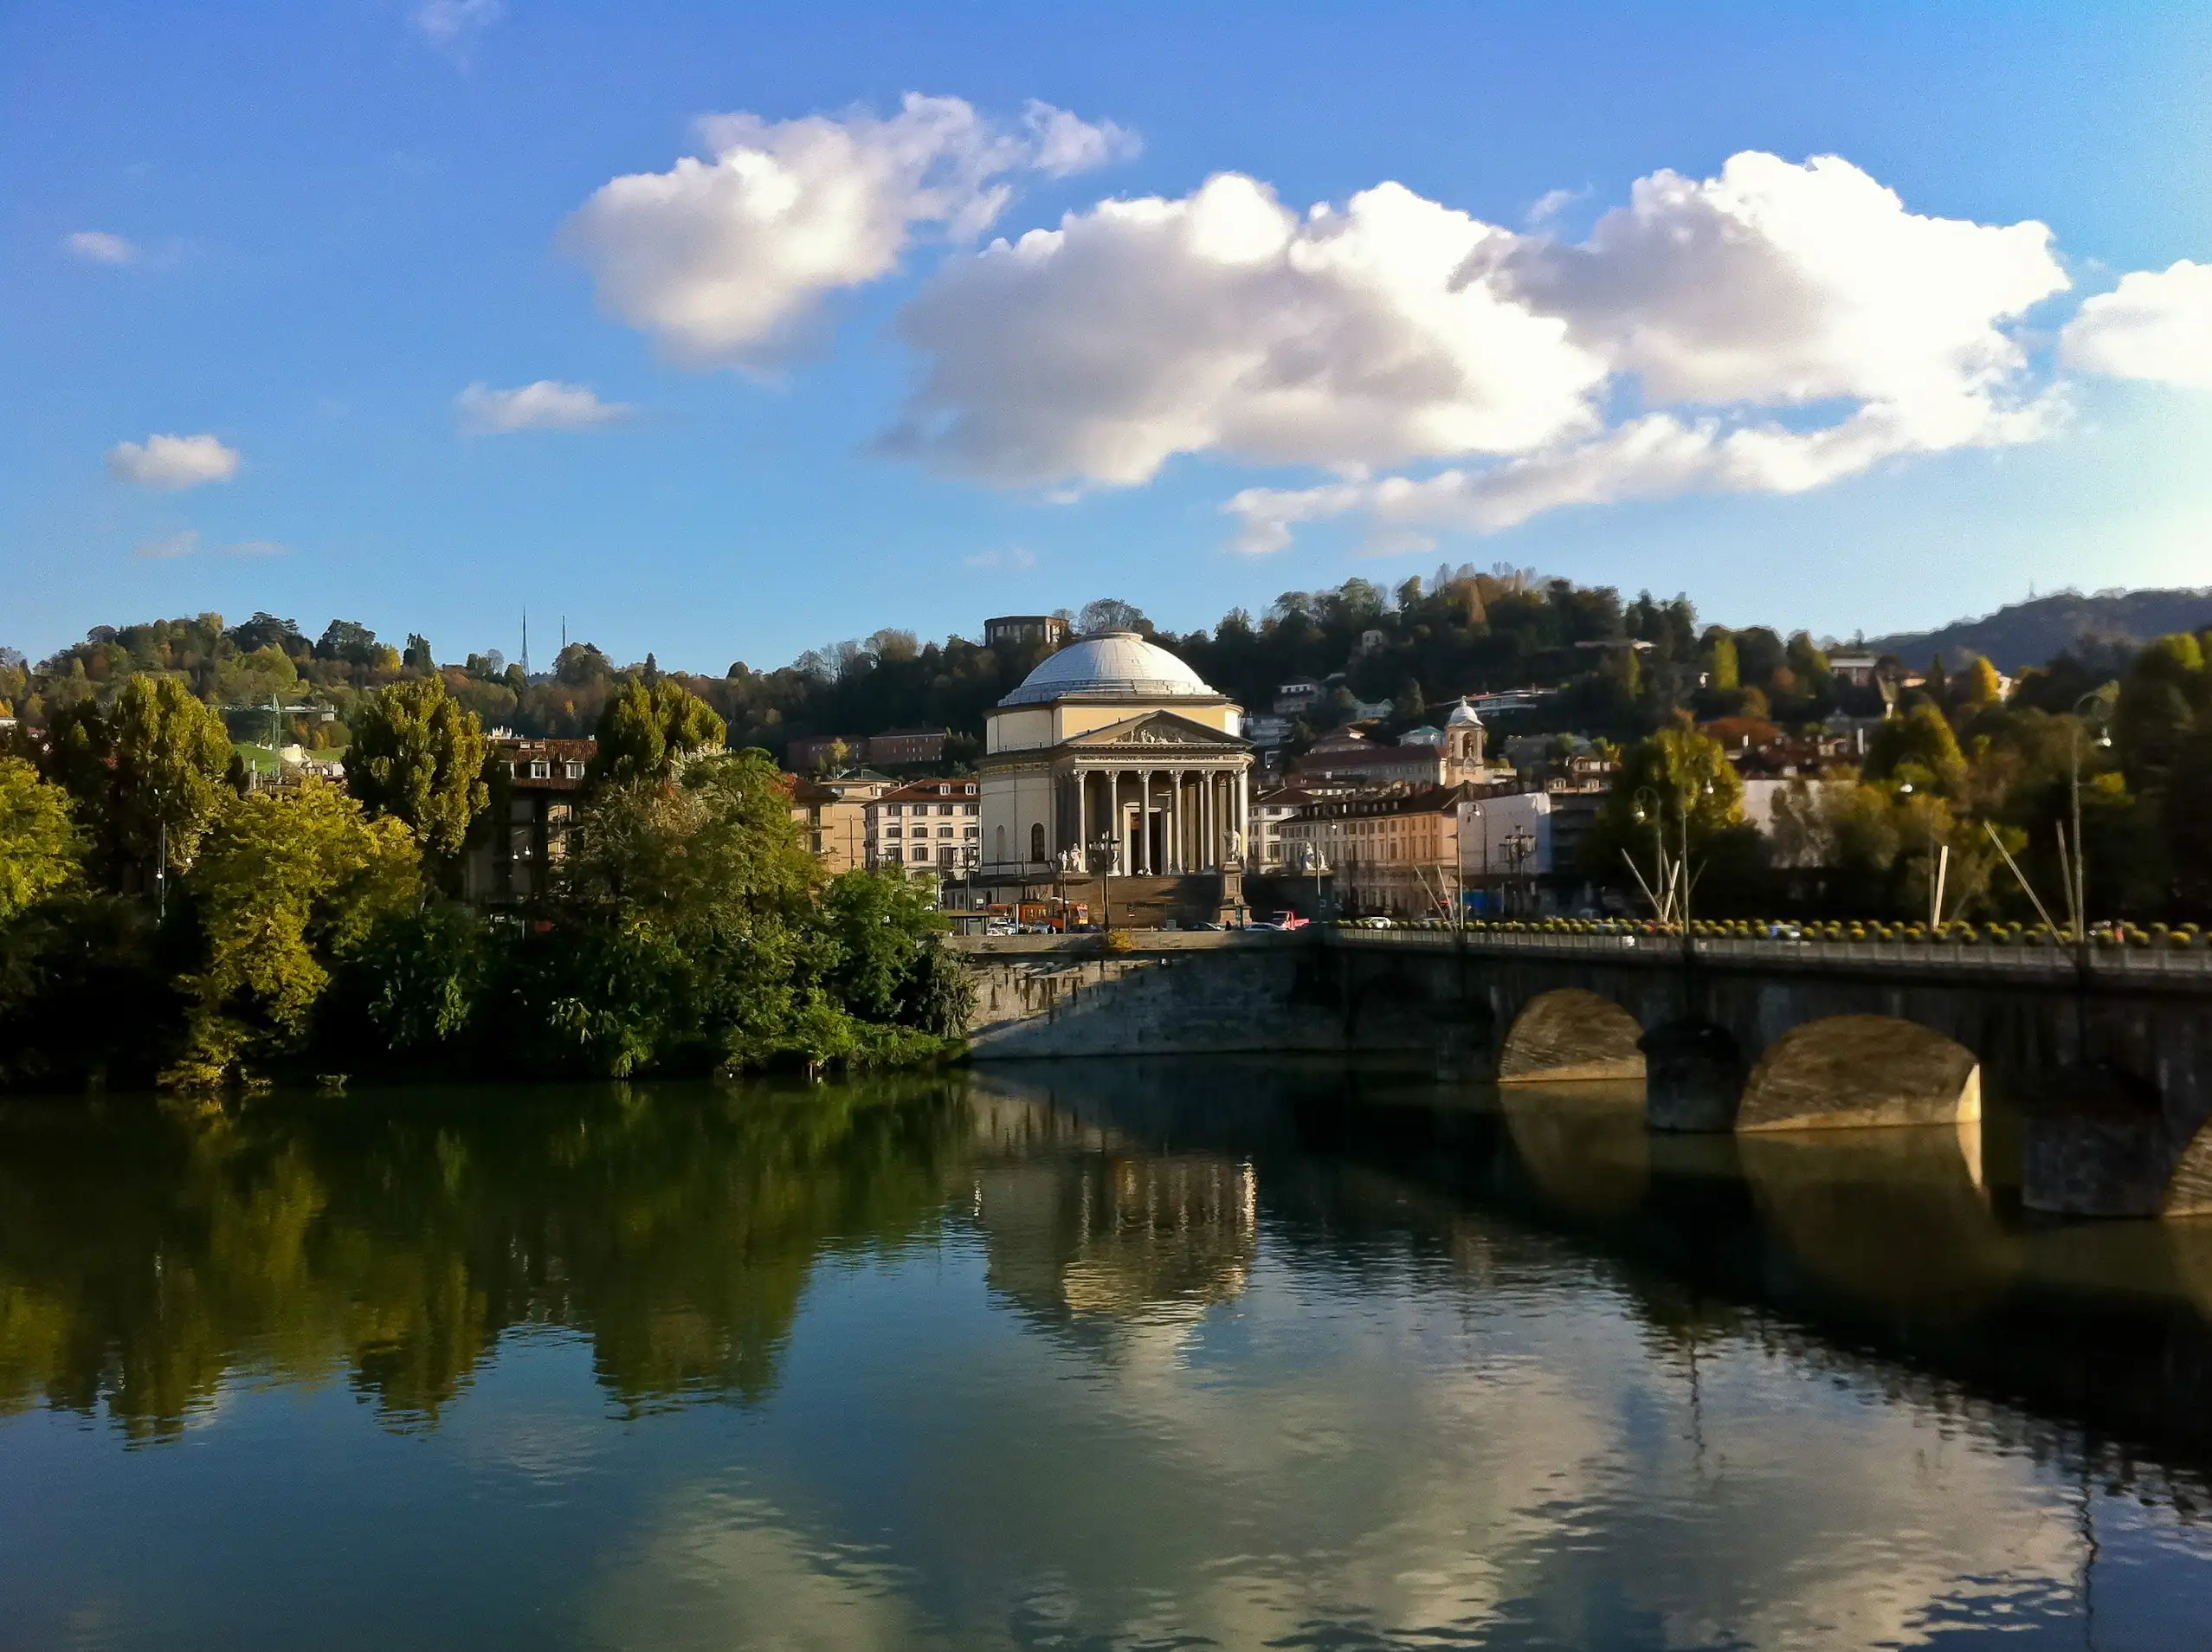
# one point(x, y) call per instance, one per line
point(1113, 756)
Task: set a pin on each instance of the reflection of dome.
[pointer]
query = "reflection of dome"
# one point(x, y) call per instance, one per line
point(1463, 714)
point(1120, 665)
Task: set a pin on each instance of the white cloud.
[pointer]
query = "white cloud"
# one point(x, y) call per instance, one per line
point(101, 247)
point(545, 406)
point(2156, 325)
point(1653, 358)
point(1658, 455)
point(725, 261)
point(172, 462)
point(180, 544)
point(1223, 322)
point(449, 23)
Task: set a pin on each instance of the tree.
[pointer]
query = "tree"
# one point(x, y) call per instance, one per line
point(291, 885)
point(1677, 782)
point(417, 655)
point(170, 755)
point(1980, 684)
point(1723, 670)
point(40, 855)
point(1919, 748)
point(645, 733)
point(1112, 614)
point(418, 757)
point(348, 641)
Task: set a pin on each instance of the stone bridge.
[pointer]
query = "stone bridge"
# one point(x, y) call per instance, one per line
point(2108, 1066)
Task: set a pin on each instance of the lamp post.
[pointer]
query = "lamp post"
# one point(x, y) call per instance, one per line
point(1519, 842)
point(1102, 859)
point(1662, 890)
point(2078, 884)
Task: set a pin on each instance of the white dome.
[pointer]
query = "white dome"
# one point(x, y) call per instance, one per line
point(1462, 714)
point(1120, 665)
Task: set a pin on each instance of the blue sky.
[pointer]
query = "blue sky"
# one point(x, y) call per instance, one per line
point(304, 233)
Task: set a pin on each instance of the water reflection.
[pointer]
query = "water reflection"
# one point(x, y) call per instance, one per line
point(1232, 1354)
point(146, 1256)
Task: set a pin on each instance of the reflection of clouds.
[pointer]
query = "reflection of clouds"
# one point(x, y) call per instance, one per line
point(725, 1569)
point(1352, 1450)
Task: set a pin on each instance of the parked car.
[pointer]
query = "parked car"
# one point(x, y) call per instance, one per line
point(1283, 921)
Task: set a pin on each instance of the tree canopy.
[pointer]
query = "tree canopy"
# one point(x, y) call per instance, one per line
point(418, 757)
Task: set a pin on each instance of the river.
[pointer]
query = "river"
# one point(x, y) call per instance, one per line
point(1086, 1354)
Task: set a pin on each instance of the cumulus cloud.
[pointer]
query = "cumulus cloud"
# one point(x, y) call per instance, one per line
point(1657, 455)
point(1771, 329)
point(725, 260)
point(1224, 321)
point(546, 405)
point(2156, 325)
point(172, 462)
point(101, 247)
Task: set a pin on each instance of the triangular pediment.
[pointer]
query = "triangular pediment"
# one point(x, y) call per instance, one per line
point(1157, 728)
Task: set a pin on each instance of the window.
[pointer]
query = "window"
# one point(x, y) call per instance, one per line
point(944, 831)
point(575, 770)
point(541, 771)
point(973, 831)
point(999, 844)
point(1037, 840)
point(921, 852)
point(894, 809)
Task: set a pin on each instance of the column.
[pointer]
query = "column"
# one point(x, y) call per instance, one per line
point(1144, 820)
point(1083, 816)
point(1206, 820)
point(1244, 810)
point(1175, 823)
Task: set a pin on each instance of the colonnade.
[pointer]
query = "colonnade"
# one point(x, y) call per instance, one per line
point(1203, 813)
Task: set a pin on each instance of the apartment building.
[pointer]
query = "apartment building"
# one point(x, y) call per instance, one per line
point(934, 825)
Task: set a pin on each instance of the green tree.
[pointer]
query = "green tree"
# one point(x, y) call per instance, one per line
point(646, 733)
point(418, 757)
point(1919, 748)
point(290, 884)
point(879, 925)
point(1679, 778)
point(1723, 671)
point(171, 754)
point(40, 855)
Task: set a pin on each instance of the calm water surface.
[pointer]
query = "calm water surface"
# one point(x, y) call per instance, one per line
point(1086, 1355)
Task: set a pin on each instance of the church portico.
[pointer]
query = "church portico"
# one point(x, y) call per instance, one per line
point(1113, 759)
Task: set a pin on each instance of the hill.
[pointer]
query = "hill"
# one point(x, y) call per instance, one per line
point(2036, 631)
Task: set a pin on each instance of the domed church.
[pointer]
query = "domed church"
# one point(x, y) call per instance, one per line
point(1113, 755)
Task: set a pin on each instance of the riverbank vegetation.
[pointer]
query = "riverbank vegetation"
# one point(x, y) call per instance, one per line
point(162, 920)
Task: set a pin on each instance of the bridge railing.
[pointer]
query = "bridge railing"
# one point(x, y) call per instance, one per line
point(2128, 963)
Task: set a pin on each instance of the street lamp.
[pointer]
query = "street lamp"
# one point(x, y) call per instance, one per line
point(1939, 866)
point(2078, 877)
point(1649, 808)
point(1519, 843)
point(1102, 862)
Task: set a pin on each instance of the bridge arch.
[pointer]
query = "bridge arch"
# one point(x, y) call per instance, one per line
point(1570, 1035)
point(1849, 1071)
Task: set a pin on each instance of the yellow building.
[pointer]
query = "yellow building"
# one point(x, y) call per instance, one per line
point(833, 812)
point(1113, 750)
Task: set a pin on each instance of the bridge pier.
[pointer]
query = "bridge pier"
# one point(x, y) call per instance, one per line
point(1694, 1077)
